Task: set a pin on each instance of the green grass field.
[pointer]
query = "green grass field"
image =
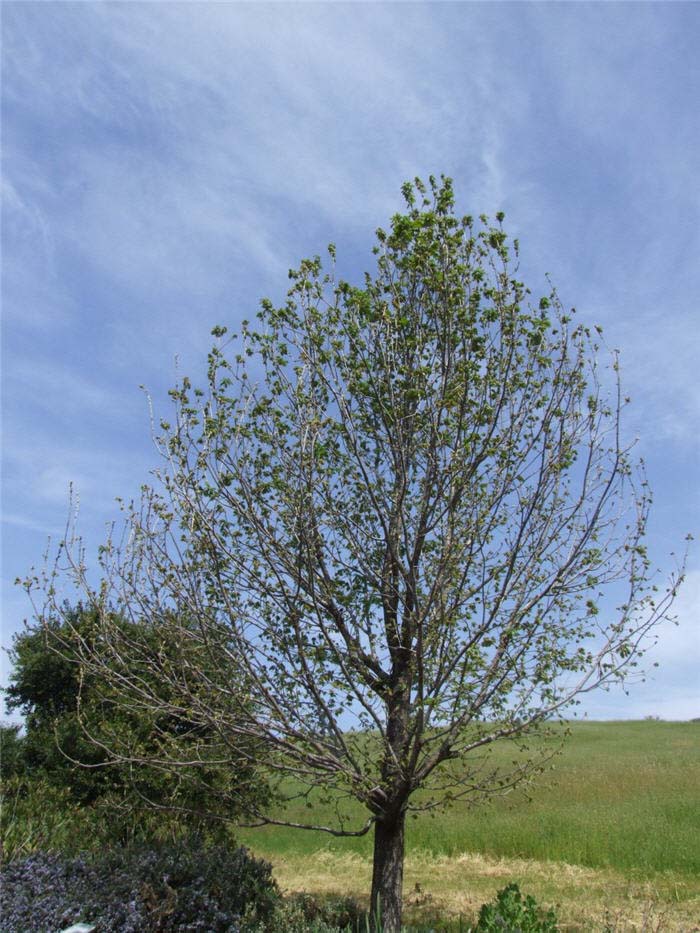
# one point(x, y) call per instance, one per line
point(610, 837)
point(622, 795)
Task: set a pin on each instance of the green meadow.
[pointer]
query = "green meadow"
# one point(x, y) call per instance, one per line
point(623, 795)
point(610, 837)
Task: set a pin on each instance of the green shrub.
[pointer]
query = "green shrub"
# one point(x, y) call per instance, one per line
point(71, 716)
point(37, 816)
point(510, 912)
point(291, 917)
point(304, 913)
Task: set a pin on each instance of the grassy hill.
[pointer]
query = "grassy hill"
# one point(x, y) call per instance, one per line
point(611, 836)
point(623, 795)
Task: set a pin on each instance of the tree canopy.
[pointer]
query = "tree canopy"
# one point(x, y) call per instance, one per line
point(402, 515)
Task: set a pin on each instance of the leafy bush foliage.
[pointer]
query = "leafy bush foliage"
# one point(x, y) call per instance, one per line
point(139, 890)
point(11, 752)
point(303, 913)
point(36, 815)
point(66, 710)
point(292, 918)
point(510, 912)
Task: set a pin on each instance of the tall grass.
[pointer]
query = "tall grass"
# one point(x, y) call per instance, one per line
point(622, 795)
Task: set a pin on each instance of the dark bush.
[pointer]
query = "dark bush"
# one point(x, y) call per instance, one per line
point(184, 887)
point(510, 912)
point(11, 752)
point(62, 705)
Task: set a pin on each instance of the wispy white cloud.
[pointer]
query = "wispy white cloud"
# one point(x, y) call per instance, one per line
point(222, 149)
point(41, 476)
point(165, 164)
point(23, 521)
point(38, 381)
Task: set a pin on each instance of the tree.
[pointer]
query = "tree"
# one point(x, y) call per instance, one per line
point(73, 719)
point(403, 514)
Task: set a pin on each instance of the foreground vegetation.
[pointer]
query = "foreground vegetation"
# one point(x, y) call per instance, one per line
point(445, 892)
point(610, 840)
point(187, 886)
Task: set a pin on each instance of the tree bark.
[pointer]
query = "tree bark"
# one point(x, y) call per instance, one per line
point(387, 873)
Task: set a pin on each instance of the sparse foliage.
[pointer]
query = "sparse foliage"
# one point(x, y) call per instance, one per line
point(402, 515)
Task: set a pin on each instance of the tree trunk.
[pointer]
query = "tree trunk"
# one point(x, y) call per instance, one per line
point(387, 873)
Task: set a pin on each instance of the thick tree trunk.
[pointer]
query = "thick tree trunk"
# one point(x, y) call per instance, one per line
point(387, 873)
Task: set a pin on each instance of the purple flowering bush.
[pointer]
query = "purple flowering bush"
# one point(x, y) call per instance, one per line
point(183, 887)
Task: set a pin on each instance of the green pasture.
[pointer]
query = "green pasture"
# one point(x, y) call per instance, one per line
point(622, 795)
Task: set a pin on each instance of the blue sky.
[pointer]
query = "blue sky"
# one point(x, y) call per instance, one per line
point(165, 165)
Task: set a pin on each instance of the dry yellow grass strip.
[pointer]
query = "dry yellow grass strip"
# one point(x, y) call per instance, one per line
point(443, 887)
